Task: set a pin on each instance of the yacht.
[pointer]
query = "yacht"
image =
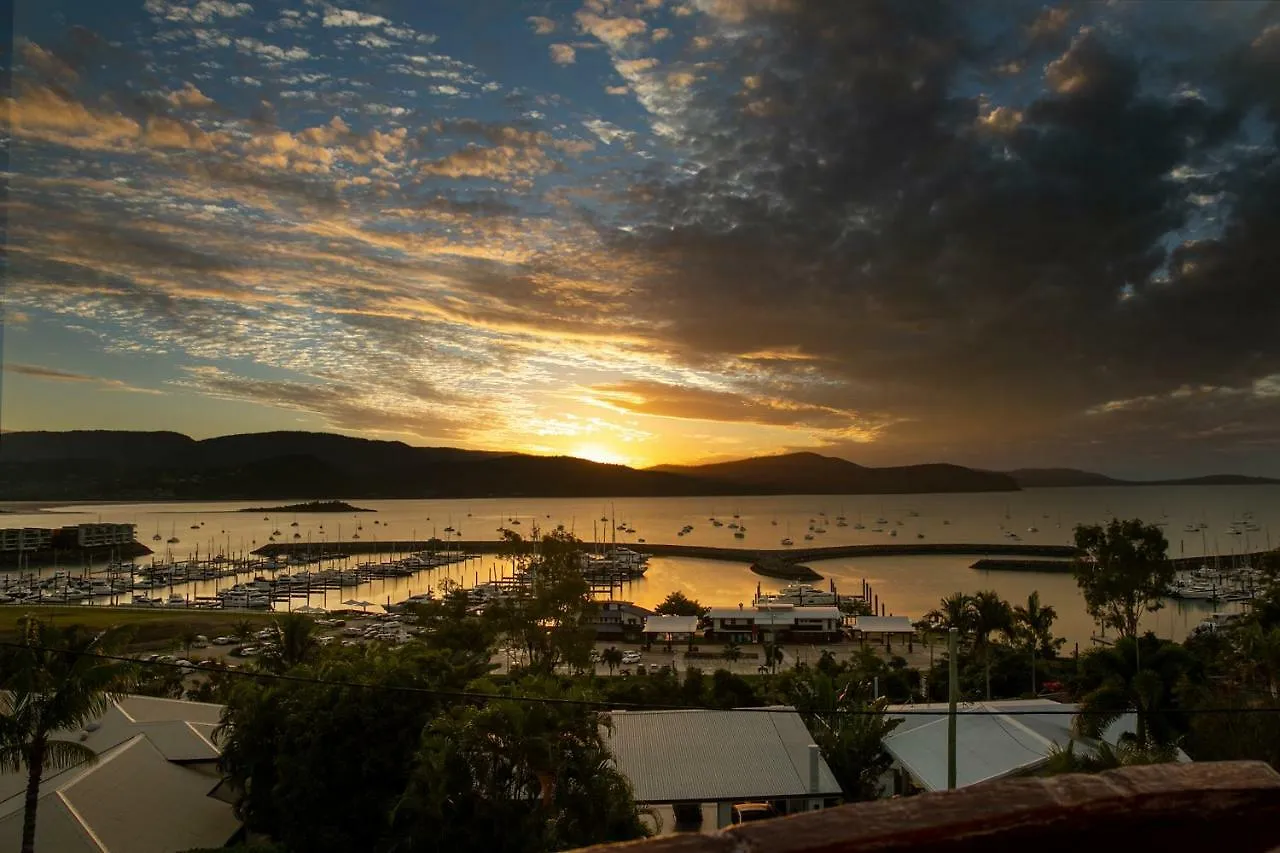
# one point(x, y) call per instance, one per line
point(788, 541)
point(740, 534)
point(801, 593)
point(808, 537)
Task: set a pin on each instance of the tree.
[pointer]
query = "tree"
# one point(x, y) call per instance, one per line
point(849, 730)
point(1113, 684)
point(1103, 756)
point(612, 658)
point(772, 656)
point(989, 614)
point(548, 622)
point(188, 639)
point(54, 681)
point(677, 604)
point(515, 776)
point(319, 764)
point(731, 652)
point(1123, 572)
point(1034, 624)
point(954, 611)
point(293, 644)
point(243, 630)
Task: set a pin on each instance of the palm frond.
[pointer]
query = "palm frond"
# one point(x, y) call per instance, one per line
point(61, 754)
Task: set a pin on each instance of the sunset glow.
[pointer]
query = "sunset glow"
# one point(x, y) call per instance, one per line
point(649, 231)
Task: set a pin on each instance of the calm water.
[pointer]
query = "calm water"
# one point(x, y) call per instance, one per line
point(907, 585)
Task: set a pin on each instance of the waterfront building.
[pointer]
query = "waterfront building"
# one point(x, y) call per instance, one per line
point(765, 621)
point(101, 535)
point(26, 539)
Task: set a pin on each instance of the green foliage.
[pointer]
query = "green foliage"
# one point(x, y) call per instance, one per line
point(514, 776)
point(319, 765)
point(677, 604)
point(546, 627)
point(293, 643)
point(54, 681)
point(1140, 675)
point(612, 658)
point(848, 729)
point(1124, 572)
point(731, 652)
point(1103, 756)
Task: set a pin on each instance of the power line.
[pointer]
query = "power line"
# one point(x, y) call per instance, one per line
point(603, 705)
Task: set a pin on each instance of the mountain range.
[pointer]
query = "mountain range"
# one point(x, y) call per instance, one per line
point(119, 465)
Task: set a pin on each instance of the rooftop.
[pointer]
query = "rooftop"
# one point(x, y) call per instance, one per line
point(705, 756)
point(671, 624)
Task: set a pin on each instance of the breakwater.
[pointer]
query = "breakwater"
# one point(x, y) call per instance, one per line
point(703, 552)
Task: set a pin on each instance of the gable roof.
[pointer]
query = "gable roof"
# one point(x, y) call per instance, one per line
point(705, 756)
point(992, 739)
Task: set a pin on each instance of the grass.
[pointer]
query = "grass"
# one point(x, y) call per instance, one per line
point(151, 628)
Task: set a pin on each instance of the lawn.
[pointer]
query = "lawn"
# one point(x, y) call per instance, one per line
point(151, 628)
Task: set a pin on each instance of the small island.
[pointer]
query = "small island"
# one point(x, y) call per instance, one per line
point(310, 506)
point(783, 570)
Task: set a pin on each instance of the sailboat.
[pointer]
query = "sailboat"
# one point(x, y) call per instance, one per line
point(157, 537)
point(173, 538)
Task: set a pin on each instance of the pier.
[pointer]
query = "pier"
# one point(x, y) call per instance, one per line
point(703, 552)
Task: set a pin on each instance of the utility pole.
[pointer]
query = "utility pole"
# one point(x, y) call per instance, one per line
point(953, 693)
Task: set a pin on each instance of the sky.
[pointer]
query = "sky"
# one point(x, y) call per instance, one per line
point(1002, 234)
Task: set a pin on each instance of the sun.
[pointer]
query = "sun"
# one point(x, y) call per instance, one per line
point(600, 453)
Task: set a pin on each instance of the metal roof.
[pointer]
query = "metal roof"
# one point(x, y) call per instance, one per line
point(706, 756)
point(671, 624)
point(131, 800)
point(991, 742)
point(778, 616)
point(881, 624)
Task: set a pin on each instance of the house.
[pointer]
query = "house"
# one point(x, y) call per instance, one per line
point(993, 741)
point(884, 630)
point(616, 619)
point(155, 787)
point(764, 621)
point(26, 539)
point(710, 760)
point(670, 629)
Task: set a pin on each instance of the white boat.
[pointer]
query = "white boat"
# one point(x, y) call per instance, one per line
point(788, 541)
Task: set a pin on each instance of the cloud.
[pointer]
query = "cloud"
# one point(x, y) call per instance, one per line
point(36, 371)
point(335, 17)
point(201, 12)
point(542, 26)
point(617, 90)
point(563, 54)
point(189, 97)
point(613, 32)
point(608, 132)
point(692, 403)
point(46, 65)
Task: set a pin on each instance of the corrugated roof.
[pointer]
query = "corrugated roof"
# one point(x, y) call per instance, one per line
point(705, 756)
point(151, 709)
point(780, 616)
point(878, 624)
point(671, 624)
point(131, 800)
point(991, 740)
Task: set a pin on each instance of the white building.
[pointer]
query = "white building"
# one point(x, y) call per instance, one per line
point(993, 741)
point(710, 760)
point(670, 629)
point(26, 539)
point(765, 621)
point(98, 535)
point(155, 787)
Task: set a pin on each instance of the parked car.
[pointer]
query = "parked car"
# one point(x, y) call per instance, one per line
point(224, 641)
point(749, 812)
point(631, 657)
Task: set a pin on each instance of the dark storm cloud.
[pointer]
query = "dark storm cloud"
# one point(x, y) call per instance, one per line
point(976, 264)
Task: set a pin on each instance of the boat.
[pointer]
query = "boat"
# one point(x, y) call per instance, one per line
point(787, 542)
point(802, 594)
point(740, 534)
point(808, 537)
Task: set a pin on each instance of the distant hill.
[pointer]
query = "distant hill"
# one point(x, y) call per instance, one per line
point(1048, 478)
point(813, 474)
point(106, 465)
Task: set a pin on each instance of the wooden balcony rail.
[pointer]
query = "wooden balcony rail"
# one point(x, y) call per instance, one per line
point(1152, 809)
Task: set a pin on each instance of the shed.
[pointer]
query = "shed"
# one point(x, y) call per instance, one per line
point(882, 629)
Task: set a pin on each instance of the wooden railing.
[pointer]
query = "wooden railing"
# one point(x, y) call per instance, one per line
point(1231, 807)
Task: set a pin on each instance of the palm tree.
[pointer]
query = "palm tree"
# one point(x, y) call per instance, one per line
point(294, 641)
point(954, 611)
point(54, 680)
point(612, 658)
point(732, 652)
point(188, 639)
point(772, 656)
point(242, 630)
point(1118, 688)
point(1260, 652)
point(1034, 623)
point(1105, 757)
point(989, 613)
